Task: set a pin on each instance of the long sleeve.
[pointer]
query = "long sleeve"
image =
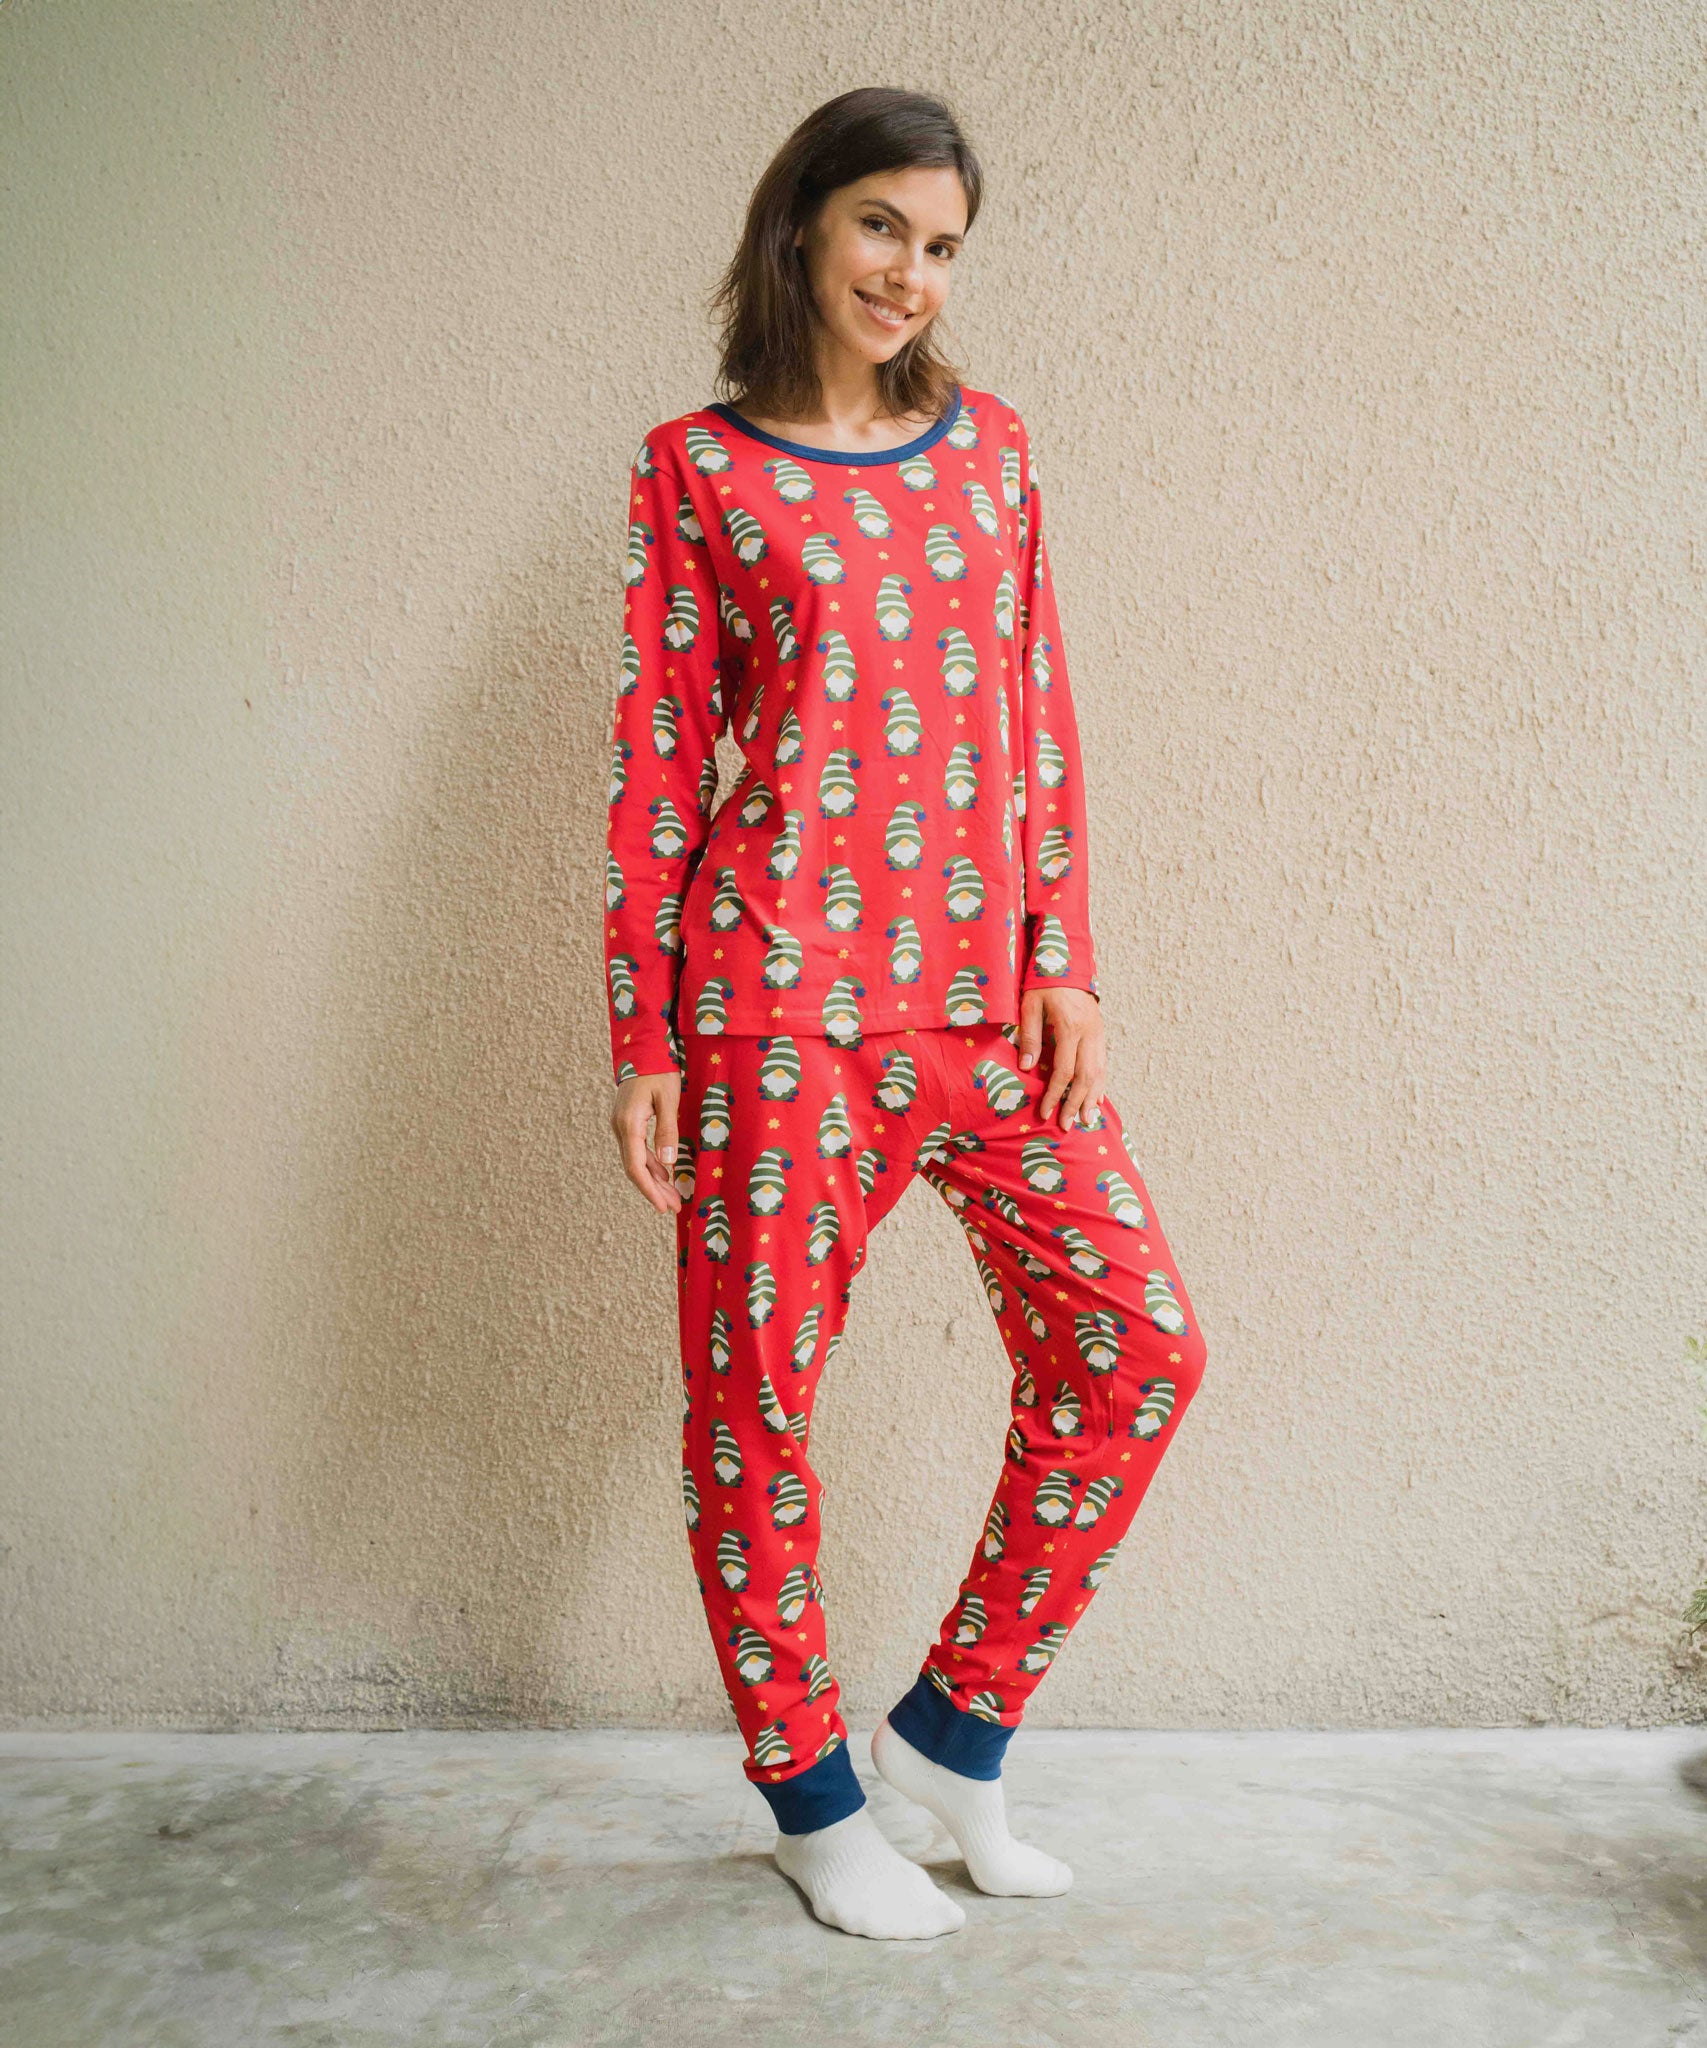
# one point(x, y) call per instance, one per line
point(663, 779)
point(1049, 785)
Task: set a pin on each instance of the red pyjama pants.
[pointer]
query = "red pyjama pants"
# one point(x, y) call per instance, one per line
point(791, 1149)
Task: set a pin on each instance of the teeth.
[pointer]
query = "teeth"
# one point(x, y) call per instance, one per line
point(894, 314)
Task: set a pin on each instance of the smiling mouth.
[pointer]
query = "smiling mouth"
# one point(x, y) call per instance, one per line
point(890, 315)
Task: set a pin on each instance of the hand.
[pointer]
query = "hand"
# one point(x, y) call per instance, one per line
point(1078, 1064)
point(643, 1099)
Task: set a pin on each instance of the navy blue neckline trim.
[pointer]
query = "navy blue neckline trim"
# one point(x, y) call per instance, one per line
point(928, 439)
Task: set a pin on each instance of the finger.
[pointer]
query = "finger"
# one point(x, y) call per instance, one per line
point(669, 1196)
point(1092, 1071)
point(1030, 1029)
point(635, 1162)
point(664, 1143)
point(1061, 1066)
point(1077, 1080)
point(664, 1131)
point(630, 1131)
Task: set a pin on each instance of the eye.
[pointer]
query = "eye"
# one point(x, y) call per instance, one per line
point(875, 220)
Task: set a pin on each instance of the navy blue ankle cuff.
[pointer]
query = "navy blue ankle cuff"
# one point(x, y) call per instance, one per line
point(928, 1719)
point(813, 1798)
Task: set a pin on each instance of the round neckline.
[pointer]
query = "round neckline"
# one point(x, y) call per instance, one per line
point(846, 457)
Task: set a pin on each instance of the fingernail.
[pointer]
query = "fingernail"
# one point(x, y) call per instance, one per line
point(667, 1154)
point(1028, 1059)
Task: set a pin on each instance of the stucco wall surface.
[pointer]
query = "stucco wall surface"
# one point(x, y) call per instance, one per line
point(1363, 347)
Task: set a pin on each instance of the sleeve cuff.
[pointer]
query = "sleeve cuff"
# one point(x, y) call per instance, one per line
point(1059, 955)
point(1087, 982)
point(641, 1047)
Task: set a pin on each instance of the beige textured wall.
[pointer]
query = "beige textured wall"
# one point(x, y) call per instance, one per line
point(1364, 348)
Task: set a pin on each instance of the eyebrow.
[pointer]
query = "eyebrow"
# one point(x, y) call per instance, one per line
point(895, 213)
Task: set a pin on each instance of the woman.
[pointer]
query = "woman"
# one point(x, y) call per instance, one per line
point(872, 959)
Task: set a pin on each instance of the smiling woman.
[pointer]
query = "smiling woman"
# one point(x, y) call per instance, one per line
point(879, 272)
point(829, 301)
point(845, 974)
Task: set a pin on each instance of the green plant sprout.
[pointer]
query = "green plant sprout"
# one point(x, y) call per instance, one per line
point(1695, 1614)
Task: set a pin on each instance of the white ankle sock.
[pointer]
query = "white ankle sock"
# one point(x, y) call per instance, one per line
point(974, 1811)
point(857, 1879)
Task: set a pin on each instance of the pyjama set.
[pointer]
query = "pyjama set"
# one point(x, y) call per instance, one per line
point(832, 957)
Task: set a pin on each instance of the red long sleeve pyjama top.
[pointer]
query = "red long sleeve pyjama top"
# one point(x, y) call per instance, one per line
point(905, 845)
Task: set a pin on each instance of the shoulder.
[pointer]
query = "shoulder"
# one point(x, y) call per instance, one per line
point(681, 444)
point(1001, 425)
point(994, 412)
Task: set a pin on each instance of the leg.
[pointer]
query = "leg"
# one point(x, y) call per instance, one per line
point(780, 1141)
point(1107, 1356)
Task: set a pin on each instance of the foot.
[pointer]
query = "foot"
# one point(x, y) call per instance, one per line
point(855, 1878)
point(974, 1811)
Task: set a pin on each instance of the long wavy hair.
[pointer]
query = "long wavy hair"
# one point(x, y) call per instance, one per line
point(764, 302)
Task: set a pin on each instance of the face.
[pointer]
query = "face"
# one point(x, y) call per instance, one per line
point(879, 254)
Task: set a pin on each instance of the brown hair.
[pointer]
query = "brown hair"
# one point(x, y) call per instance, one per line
point(768, 315)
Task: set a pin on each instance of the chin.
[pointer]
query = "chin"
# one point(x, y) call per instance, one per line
point(873, 351)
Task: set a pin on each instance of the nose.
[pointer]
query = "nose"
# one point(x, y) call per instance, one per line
point(908, 274)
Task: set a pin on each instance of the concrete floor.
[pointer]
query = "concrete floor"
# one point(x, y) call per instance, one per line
point(1473, 1888)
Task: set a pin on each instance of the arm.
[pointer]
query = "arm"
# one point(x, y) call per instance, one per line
point(669, 713)
point(1059, 952)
